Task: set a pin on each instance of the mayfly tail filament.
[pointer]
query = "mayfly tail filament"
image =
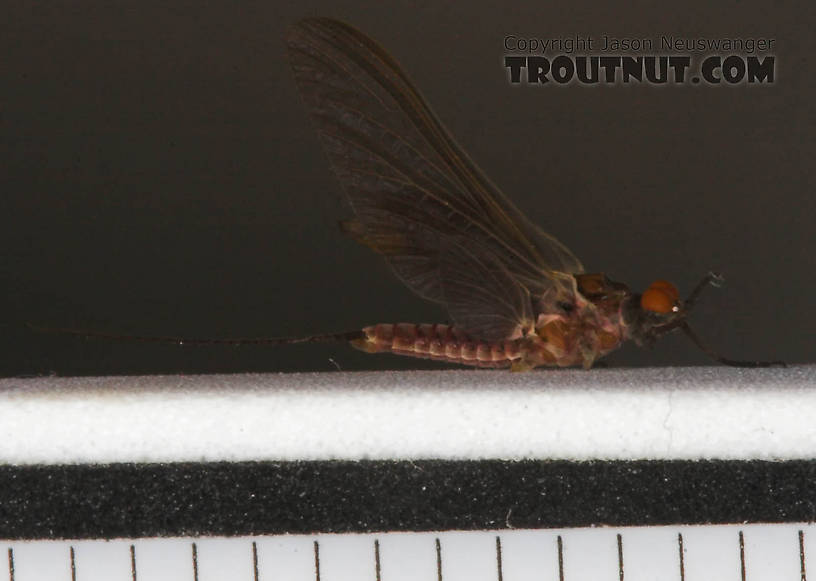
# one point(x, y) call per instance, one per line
point(90, 334)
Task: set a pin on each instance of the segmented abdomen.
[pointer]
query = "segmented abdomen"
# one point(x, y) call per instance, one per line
point(440, 342)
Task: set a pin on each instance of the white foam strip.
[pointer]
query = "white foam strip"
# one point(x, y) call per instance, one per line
point(667, 413)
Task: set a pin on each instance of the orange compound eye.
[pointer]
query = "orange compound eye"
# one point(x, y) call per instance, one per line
point(667, 288)
point(656, 300)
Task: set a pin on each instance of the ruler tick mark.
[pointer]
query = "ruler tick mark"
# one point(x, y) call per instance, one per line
point(195, 562)
point(254, 561)
point(802, 555)
point(681, 552)
point(438, 560)
point(317, 561)
point(377, 575)
point(14, 558)
point(499, 558)
point(560, 559)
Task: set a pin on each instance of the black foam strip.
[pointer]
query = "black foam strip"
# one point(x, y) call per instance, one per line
point(137, 500)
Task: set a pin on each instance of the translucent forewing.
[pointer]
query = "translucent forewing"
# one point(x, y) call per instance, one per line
point(418, 199)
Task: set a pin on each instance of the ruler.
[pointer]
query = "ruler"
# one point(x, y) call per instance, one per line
point(755, 552)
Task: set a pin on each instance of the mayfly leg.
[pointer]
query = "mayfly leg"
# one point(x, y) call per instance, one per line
point(684, 326)
point(712, 278)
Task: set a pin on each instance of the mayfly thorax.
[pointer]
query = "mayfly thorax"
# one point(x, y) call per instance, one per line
point(516, 296)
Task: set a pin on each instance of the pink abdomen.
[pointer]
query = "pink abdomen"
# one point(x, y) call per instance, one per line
point(440, 342)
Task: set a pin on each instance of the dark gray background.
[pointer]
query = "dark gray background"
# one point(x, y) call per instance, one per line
point(159, 176)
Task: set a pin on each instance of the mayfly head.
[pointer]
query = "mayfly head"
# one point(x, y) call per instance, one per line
point(656, 312)
point(659, 310)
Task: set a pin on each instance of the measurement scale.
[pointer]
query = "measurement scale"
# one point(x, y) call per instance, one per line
point(755, 552)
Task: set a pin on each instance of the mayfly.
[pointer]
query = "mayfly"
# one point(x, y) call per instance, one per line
point(516, 296)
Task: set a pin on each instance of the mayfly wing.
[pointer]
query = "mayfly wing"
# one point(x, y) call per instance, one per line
point(481, 294)
point(448, 232)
